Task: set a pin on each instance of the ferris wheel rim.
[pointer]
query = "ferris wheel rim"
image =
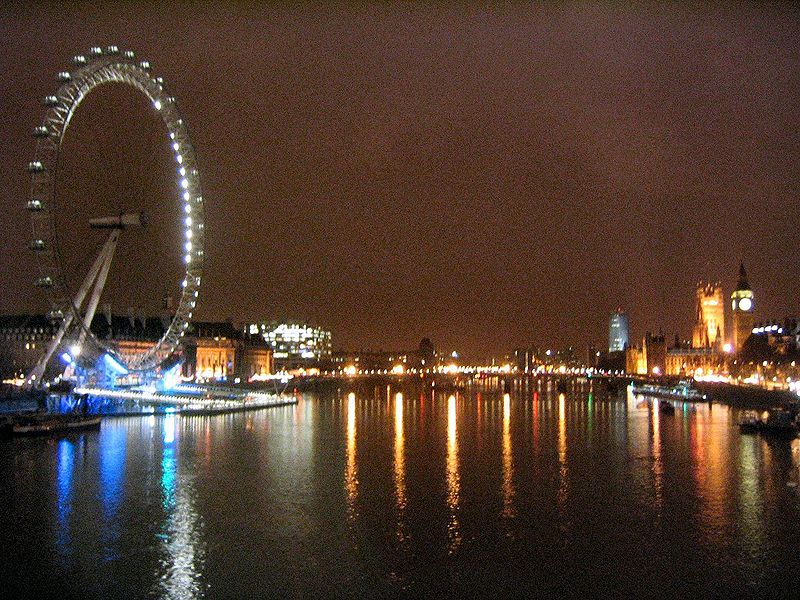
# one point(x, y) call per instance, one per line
point(100, 68)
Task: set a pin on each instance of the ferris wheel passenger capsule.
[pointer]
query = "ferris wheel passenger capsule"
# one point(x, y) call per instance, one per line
point(50, 101)
point(64, 76)
point(44, 282)
point(34, 205)
point(80, 59)
point(112, 49)
point(129, 54)
point(40, 132)
point(95, 51)
point(37, 245)
point(35, 167)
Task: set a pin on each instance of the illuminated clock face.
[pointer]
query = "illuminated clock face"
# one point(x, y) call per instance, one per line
point(745, 304)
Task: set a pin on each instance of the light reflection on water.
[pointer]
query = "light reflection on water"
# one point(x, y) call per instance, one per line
point(751, 502)
point(453, 479)
point(563, 468)
point(112, 483)
point(413, 486)
point(66, 472)
point(181, 563)
point(351, 469)
point(658, 462)
point(399, 469)
point(508, 460)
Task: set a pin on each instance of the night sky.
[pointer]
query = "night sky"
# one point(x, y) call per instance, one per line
point(487, 177)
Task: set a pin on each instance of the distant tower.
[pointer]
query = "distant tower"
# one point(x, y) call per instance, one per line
point(743, 303)
point(618, 331)
point(710, 325)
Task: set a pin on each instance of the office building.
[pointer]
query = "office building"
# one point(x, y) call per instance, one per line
point(618, 331)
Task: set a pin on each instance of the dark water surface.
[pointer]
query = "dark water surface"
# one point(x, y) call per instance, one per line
point(398, 491)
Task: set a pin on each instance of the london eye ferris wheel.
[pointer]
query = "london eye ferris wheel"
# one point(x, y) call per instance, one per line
point(74, 306)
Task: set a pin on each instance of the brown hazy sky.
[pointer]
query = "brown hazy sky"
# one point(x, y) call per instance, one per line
point(487, 177)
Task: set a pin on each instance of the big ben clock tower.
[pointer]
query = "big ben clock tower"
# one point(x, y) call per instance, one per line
point(742, 302)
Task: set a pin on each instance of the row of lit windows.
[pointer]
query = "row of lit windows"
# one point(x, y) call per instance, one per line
point(22, 337)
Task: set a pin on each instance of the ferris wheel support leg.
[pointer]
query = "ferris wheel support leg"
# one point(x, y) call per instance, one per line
point(36, 374)
point(94, 300)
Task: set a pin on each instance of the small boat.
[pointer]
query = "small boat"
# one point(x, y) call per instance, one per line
point(750, 422)
point(46, 424)
point(666, 407)
point(682, 391)
point(779, 421)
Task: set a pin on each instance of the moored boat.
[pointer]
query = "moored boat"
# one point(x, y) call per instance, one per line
point(750, 422)
point(666, 407)
point(682, 391)
point(48, 424)
point(779, 421)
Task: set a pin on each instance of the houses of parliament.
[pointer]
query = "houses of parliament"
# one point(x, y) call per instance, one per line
point(709, 327)
point(708, 350)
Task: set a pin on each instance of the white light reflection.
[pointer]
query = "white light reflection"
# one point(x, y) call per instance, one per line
point(351, 470)
point(399, 468)
point(751, 529)
point(183, 558)
point(658, 463)
point(453, 479)
point(563, 470)
point(508, 461)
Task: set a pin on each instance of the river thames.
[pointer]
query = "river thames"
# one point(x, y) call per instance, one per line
point(402, 491)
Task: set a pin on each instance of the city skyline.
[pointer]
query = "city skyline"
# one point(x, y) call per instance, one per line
point(403, 187)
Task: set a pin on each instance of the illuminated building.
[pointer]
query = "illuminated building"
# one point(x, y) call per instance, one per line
point(743, 305)
point(636, 359)
point(256, 361)
point(648, 358)
point(294, 344)
point(221, 352)
point(770, 357)
point(23, 338)
point(709, 328)
point(618, 331)
point(367, 361)
point(686, 361)
point(781, 336)
point(214, 352)
point(209, 351)
point(527, 359)
point(656, 353)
